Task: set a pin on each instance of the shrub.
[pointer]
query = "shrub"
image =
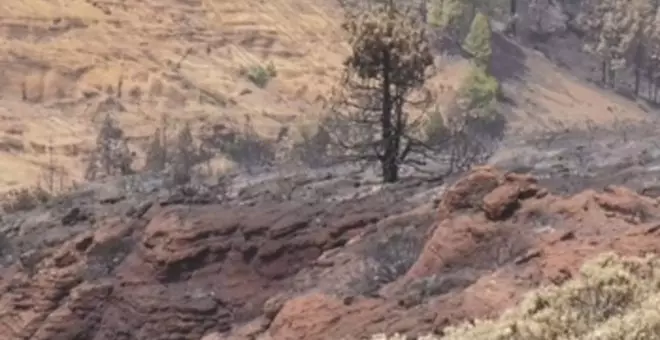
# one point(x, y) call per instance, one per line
point(389, 259)
point(450, 16)
point(437, 129)
point(112, 155)
point(472, 128)
point(313, 145)
point(260, 75)
point(613, 298)
point(25, 199)
point(479, 92)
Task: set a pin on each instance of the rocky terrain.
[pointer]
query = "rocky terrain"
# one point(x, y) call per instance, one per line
point(326, 254)
point(291, 253)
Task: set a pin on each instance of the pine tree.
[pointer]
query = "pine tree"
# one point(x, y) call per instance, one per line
point(653, 56)
point(478, 41)
point(155, 158)
point(478, 93)
point(112, 155)
point(611, 30)
point(591, 21)
point(185, 156)
point(618, 36)
point(451, 17)
point(645, 16)
point(540, 14)
point(389, 60)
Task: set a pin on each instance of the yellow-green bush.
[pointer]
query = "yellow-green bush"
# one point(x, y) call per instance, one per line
point(260, 75)
point(614, 298)
point(478, 92)
point(478, 41)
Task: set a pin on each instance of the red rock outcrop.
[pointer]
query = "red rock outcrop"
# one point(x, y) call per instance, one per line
point(287, 270)
point(514, 233)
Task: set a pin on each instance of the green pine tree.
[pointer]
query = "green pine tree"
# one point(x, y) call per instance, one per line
point(479, 92)
point(478, 41)
point(451, 17)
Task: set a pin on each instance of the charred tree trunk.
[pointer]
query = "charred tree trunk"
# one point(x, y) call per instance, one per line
point(639, 61)
point(649, 81)
point(513, 12)
point(638, 81)
point(389, 155)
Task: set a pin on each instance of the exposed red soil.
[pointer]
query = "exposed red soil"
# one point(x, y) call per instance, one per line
point(286, 270)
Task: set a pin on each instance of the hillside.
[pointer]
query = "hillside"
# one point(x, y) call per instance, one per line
point(336, 259)
point(80, 59)
point(502, 250)
point(67, 63)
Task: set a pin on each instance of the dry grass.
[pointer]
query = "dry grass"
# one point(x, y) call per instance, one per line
point(65, 61)
point(184, 58)
point(614, 298)
point(548, 97)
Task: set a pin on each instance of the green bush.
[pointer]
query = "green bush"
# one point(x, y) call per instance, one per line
point(260, 75)
point(478, 41)
point(479, 92)
point(454, 17)
point(449, 16)
point(474, 113)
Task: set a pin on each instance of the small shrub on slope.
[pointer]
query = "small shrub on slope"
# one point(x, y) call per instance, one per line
point(478, 94)
point(261, 75)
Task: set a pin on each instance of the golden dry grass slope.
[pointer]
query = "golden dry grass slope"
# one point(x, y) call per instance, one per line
point(67, 62)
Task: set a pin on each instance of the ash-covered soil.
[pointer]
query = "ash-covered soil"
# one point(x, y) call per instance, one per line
point(324, 254)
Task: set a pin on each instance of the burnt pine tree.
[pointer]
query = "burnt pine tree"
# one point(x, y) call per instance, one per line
point(617, 38)
point(653, 57)
point(389, 60)
point(611, 30)
point(592, 21)
point(185, 156)
point(112, 155)
point(155, 155)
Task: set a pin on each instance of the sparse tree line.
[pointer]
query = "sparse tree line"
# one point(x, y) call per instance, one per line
point(181, 155)
point(624, 34)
